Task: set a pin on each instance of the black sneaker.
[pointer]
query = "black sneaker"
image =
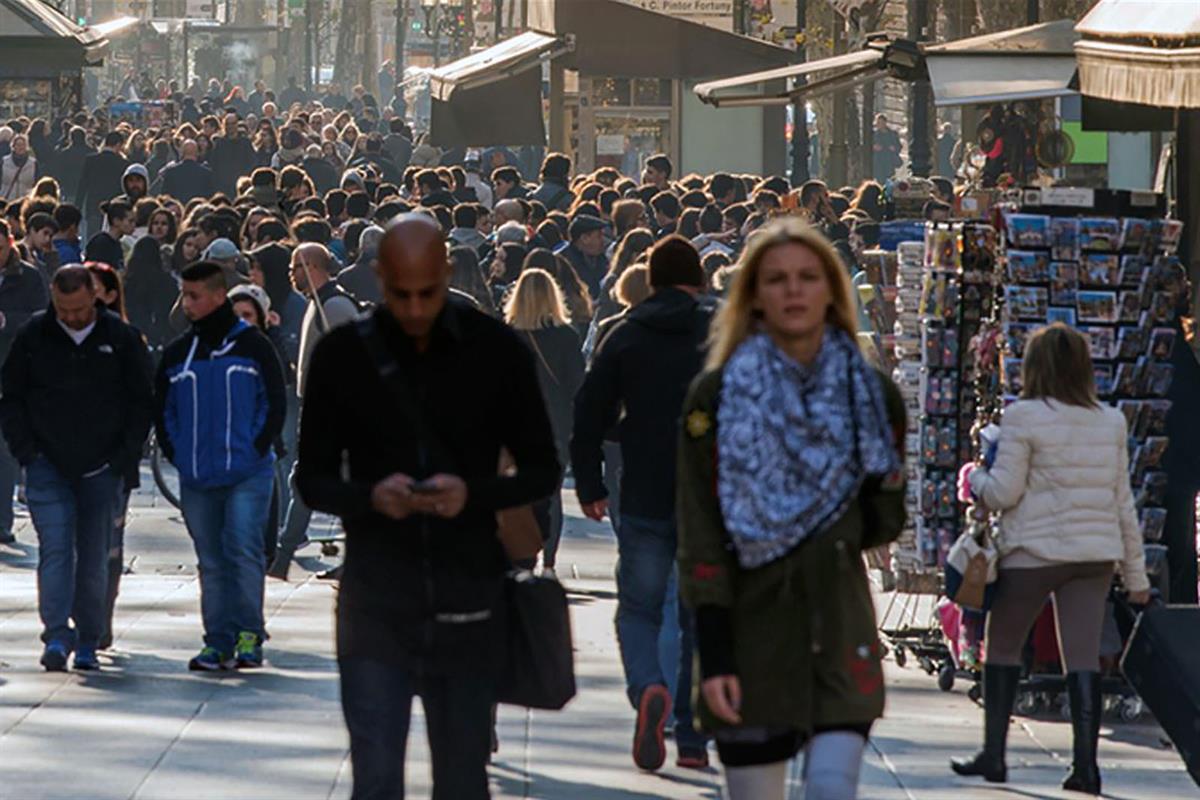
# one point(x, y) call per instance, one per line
point(649, 740)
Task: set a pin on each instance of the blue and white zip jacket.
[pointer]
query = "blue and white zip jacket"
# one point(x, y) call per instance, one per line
point(221, 401)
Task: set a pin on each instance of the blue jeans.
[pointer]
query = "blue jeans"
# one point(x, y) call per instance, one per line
point(647, 593)
point(74, 523)
point(227, 525)
point(377, 703)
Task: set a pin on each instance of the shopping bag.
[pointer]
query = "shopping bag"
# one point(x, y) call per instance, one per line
point(970, 571)
point(539, 666)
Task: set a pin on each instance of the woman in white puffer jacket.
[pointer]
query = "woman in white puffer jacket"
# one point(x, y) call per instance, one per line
point(1061, 481)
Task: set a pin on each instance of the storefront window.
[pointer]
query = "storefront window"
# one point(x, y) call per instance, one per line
point(625, 141)
point(24, 97)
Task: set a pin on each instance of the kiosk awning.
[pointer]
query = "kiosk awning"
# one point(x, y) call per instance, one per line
point(1145, 52)
point(849, 69)
point(1034, 62)
point(32, 23)
point(504, 60)
point(620, 40)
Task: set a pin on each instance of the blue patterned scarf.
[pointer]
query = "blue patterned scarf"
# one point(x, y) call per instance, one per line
point(795, 443)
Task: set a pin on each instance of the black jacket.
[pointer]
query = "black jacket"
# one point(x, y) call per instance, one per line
point(387, 169)
point(643, 368)
point(99, 182)
point(81, 406)
point(558, 355)
point(186, 180)
point(402, 577)
point(68, 167)
point(323, 174)
point(104, 248)
point(230, 159)
point(22, 294)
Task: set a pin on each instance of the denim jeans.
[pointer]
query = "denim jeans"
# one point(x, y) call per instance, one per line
point(74, 521)
point(377, 703)
point(295, 523)
point(227, 525)
point(646, 595)
point(116, 562)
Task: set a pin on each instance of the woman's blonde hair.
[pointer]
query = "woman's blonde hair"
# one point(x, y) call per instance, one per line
point(1058, 365)
point(535, 302)
point(737, 320)
point(633, 286)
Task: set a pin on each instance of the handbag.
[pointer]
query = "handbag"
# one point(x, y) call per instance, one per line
point(539, 662)
point(971, 570)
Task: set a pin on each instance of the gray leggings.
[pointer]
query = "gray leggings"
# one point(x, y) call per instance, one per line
point(1079, 593)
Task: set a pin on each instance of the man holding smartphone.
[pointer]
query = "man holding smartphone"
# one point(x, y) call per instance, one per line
point(392, 440)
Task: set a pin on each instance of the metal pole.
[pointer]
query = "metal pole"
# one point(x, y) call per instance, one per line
point(1033, 12)
point(308, 45)
point(836, 175)
point(498, 7)
point(401, 37)
point(437, 34)
point(919, 151)
point(800, 108)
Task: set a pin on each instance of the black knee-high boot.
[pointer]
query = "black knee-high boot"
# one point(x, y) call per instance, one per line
point(999, 694)
point(1083, 691)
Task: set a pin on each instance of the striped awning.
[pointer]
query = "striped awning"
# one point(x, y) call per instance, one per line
point(1141, 51)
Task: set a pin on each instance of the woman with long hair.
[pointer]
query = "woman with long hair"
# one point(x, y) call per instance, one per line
point(188, 247)
point(163, 226)
point(467, 277)
point(1061, 482)
point(633, 245)
point(537, 312)
point(788, 469)
point(110, 295)
point(150, 292)
point(869, 199)
point(575, 293)
point(505, 269)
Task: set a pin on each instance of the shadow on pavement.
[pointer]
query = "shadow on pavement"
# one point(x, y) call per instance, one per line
point(514, 782)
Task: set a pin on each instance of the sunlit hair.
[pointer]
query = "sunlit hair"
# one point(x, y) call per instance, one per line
point(737, 320)
point(1058, 366)
point(535, 302)
point(633, 286)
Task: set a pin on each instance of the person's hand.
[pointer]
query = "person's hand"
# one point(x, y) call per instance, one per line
point(595, 511)
point(392, 496)
point(447, 498)
point(723, 695)
point(1139, 598)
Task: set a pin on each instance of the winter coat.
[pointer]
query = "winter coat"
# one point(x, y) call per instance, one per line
point(1061, 479)
point(23, 293)
point(800, 631)
point(68, 167)
point(47, 379)
point(100, 181)
point(17, 182)
point(221, 401)
point(640, 377)
point(323, 174)
point(187, 180)
point(559, 362)
point(104, 248)
point(230, 159)
point(553, 195)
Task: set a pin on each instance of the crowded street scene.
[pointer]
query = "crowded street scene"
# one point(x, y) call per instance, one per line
point(599, 399)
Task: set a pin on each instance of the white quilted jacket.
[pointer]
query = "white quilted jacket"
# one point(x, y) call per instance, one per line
point(1061, 479)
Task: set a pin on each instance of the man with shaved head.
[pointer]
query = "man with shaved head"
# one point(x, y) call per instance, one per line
point(395, 441)
point(187, 178)
point(328, 307)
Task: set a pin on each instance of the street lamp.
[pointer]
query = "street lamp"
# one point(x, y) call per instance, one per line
point(443, 17)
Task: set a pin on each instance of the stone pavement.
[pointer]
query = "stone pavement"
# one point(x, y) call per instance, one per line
point(145, 728)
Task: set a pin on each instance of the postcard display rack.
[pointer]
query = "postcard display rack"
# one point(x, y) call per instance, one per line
point(1112, 278)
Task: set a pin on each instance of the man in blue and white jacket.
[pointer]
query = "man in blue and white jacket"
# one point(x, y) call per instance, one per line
point(221, 406)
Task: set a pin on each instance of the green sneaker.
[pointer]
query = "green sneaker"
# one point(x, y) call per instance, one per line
point(210, 659)
point(248, 651)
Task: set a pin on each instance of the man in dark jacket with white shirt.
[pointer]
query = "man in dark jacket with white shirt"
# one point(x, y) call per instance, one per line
point(637, 382)
point(75, 412)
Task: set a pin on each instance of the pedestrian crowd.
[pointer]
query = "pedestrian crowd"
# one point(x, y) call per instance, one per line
point(310, 310)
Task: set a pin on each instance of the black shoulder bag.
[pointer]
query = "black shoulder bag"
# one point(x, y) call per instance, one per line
point(539, 658)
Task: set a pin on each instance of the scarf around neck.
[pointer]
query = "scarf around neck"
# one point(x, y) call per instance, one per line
point(795, 443)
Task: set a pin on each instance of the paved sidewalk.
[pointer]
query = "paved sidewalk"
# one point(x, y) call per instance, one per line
point(146, 728)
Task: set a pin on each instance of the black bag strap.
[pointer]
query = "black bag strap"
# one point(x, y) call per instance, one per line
point(431, 451)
